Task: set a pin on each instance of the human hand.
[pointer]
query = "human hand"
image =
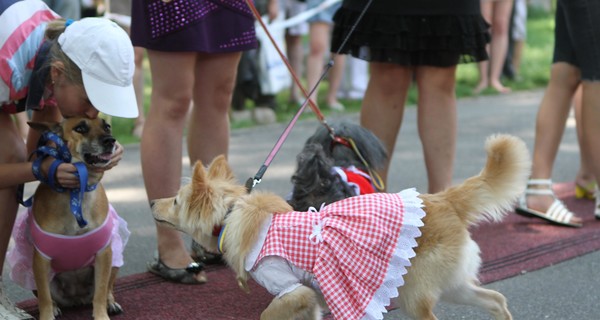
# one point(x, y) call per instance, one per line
point(64, 176)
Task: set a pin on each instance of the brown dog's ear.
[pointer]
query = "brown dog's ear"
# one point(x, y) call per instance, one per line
point(42, 127)
point(219, 168)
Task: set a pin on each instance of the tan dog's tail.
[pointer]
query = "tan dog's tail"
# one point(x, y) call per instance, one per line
point(493, 192)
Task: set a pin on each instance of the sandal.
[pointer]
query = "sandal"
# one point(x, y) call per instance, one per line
point(200, 255)
point(557, 213)
point(184, 275)
point(585, 192)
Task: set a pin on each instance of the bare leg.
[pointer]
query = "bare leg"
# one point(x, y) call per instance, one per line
point(584, 179)
point(550, 124)
point(295, 57)
point(591, 128)
point(319, 37)
point(484, 66)
point(499, 46)
point(437, 124)
point(336, 75)
point(138, 84)
point(383, 105)
point(208, 131)
point(12, 151)
point(161, 147)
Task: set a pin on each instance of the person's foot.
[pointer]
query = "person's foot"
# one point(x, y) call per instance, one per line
point(335, 106)
point(585, 188)
point(175, 259)
point(480, 87)
point(500, 88)
point(543, 203)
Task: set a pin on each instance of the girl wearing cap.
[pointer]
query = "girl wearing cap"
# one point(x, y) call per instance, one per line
point(56, 71)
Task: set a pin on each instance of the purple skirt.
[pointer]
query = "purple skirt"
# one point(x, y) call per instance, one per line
point(211, 26)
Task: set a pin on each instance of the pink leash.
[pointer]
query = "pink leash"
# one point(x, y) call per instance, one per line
point(252, 182)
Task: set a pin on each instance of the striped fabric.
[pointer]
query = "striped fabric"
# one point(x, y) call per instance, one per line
point(21, 35)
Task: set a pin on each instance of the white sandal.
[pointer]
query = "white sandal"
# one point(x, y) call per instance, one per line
point(557, 213)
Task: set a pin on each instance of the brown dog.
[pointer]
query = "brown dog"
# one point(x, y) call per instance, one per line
point(82, 277)
point(446, 262)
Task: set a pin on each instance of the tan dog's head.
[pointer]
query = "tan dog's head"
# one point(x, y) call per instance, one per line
point(89, 140)
point(201, 205)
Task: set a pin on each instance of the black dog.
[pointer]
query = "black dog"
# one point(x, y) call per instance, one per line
point(325, 165)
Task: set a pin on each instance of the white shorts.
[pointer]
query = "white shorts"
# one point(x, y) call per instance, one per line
point(292, 8)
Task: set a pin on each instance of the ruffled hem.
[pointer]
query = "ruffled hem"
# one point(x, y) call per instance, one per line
point(437, 40)
point(20, 256)
point(401, 257)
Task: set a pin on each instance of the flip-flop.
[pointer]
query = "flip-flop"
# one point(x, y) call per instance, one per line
point(184, 275)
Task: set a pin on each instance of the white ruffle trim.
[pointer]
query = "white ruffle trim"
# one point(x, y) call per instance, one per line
point(413, 214)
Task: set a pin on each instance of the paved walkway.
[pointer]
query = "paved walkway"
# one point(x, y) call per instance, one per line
point(568, 290)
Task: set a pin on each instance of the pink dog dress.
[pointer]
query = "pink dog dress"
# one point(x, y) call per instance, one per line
point(355, 251)
point(65, 252)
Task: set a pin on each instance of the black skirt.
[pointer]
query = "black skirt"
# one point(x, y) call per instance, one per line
point(440, 40)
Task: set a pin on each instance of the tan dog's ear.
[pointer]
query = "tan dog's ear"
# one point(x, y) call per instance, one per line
point(42, 127)
point(199, 179)
point(219, 168)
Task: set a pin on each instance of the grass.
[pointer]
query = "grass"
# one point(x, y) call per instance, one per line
point(535, 72)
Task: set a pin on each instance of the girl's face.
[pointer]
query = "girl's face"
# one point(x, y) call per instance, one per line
point(71, 98)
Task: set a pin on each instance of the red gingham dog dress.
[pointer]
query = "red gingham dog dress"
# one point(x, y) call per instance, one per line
point(355, 251)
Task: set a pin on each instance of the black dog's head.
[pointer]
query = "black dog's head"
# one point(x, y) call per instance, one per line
point(314, 181)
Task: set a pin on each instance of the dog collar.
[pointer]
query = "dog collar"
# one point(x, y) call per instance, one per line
point(62, 154)
point(220, 239)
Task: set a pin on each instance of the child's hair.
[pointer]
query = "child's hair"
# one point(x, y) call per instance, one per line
point(71, 71)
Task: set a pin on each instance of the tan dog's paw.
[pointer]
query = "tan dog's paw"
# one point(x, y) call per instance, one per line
point(114, 308)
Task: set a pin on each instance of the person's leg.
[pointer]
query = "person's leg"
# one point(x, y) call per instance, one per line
point(383, 106)
point(319, 36)
point(296, 59)
point(550, 124)
point(21, 119)
point(12, 151)
point(437, 123)
point(138, 84)
point(161, 144)
point(484, 66)
point(336, 75)
point(499, 45)
point(208, 130)
point(584, 180)
point(590, 112)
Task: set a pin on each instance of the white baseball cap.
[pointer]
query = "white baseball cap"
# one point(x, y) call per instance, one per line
point(104, 53)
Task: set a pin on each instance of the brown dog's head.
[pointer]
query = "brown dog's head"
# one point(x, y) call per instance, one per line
point(201, 205)
point(89, 140)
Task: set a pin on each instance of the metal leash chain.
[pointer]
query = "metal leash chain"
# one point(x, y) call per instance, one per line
point(252, 182)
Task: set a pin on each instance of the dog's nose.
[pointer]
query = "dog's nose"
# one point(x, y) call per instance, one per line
point(108, 141)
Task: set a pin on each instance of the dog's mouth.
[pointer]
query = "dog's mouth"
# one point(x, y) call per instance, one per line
point(98, 160)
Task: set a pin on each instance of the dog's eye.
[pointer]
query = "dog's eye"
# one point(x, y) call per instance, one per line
point(82, 128)
point(106, 127)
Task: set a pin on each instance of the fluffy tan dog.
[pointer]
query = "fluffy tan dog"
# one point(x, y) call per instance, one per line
point(90, 142)
point(446, 262)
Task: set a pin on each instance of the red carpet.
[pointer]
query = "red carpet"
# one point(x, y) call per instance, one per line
point(516, 245)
